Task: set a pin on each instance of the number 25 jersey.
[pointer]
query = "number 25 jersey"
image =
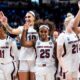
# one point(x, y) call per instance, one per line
point(45, 52)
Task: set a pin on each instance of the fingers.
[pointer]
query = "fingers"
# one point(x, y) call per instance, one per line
point(79, 4)
point(3, 18)
point(26, 26)
point(1, 14)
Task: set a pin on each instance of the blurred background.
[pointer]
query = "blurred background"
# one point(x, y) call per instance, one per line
point(54, 10)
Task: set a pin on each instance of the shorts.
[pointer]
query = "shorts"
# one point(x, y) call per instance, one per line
point(1, 75)
point(71, 64)
point(45, 73)
point(26, 65)
point(59, 71)
point(8, 71)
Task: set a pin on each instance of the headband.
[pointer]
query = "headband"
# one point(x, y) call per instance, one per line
point(31, 12)
point(44, 26)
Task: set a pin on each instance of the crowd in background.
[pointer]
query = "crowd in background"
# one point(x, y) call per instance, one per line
point(56, 12)
point(49, 20)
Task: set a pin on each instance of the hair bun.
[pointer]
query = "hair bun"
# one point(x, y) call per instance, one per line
point(70, 15)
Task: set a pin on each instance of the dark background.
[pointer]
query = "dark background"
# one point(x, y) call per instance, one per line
point(54, 10)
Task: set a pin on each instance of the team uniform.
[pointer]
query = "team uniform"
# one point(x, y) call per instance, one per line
point(8, 66)
point(27, 55)
point(45, 62)
point(70, 53)
point(78, 78)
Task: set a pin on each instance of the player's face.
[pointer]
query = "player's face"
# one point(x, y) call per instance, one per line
point(43, 32)
point(69, 22)
point(66, 23)
point(55, 34)
point(29, 18)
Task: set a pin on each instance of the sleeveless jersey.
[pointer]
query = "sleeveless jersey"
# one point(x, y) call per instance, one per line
point(79, 47)
point(45, 52)
point(29, 53)
point(70, 52)
point(8, 50)
point(70, 41)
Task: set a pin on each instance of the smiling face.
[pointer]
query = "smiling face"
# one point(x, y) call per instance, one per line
point(69, 19)
point(30, 18)
point(44, 32)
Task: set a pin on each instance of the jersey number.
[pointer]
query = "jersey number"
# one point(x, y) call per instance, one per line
point(74, 48)
point(1, 53)
point(45, 53)
point(32, 37)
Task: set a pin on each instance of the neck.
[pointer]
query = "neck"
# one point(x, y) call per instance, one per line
point(44, 40)
point(32, 24)
point(69, 30)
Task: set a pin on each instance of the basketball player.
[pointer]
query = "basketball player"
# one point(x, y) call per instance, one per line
point(27, 55)
point(67, 50)
point(76, 28)
point(8, 51)
point(45, 60)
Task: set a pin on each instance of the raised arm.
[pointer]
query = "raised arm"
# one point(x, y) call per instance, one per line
point(15, 31)
point(77, 20)
point(4, 21)
point(24, 41)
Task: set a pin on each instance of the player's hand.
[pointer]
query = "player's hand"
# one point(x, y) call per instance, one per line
point(79, 4)
point(1, 16)
point(3, 19)
point(26, 26)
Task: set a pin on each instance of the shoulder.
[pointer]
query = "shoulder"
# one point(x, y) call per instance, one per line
point(61, 35)
point(31, 29)
point(38, 42)
point(61, 39)
point(20, 28)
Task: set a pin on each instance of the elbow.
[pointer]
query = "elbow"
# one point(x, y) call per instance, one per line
point(24, 44)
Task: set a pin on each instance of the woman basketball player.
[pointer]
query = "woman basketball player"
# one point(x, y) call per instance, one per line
point(45, 61)
point(76, 29)
point(27, 55)
point(67, 50)
point(8, 51)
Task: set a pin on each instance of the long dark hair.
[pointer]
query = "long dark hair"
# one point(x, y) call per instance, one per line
point(49, 23)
